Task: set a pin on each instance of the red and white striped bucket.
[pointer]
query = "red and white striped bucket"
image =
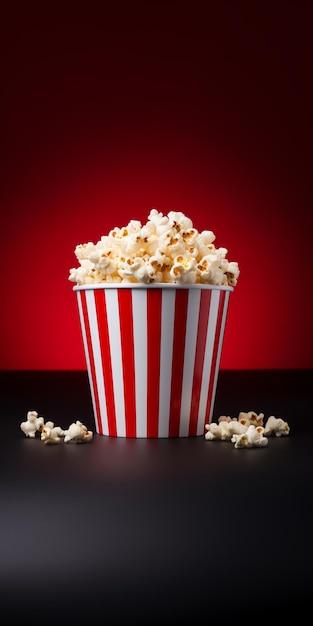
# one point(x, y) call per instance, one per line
point(152, 356)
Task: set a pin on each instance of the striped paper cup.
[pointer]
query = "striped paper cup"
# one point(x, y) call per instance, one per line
point(152, 355)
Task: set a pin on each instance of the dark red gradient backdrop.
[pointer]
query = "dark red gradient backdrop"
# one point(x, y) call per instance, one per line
point(113, 108)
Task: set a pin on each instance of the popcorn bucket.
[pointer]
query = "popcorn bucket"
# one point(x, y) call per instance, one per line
point(152, 355)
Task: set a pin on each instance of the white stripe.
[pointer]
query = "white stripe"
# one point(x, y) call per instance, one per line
point(116, 359)
point(218, 356)
point(83, 330)
point(95, 342)
point(189, 360)
point(139, 300)
point(166, 357)
point(209, 345)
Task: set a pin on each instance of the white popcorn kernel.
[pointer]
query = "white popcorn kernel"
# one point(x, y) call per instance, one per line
point(116, 236)
point(206, 237)
point(217, 431)
point(32, 424)
point(151, 245)
point(77, 433)
point(237, 428)
point(253, 437)
point(276, 426)
point(180, 221)
point(51, 434)
point(232, 272)
point(127, 267)
point(221, 253)
point(224, 418)
point(84, 273)
point(74, 275)
point(103, 262)
point(172, 243)
point(132, 245)
point(208, 269)
point(133, 226)
point(219, 277)
point(183, 269)
point(159, 222)
point(141, 273)
point(189, 237)
point(83, 250)
point(159, 266)
point(251, 417)
point(204, 244)
point(154, 271)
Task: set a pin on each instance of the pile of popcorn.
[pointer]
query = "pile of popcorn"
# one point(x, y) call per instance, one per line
point(167, 249)
point(248, 431)
point(77, 432)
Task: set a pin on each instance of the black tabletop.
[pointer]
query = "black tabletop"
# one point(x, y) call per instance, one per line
point(142, 531)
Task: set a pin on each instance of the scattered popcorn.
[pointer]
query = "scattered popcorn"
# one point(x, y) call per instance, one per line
point(51, 434)
point(227, 427)
point(225, 418)
point(32, 424)
point(252, 417)
point(247, 431)
point(217, 431)
point(77, 433)
point(251, 438)
point(276, 426)
point(237, 427)
point(167, 249)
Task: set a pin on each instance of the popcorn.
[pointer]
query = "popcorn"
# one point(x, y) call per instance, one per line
point(237, 427)
point(251, 418)
point(276, 426)
point(225, 429)
point(51, 434)
point(247, 431)
point(32, 424)
point(77, 433)
point(251, 438)
point(167, 249)
point(183, 269)
point(217, 431)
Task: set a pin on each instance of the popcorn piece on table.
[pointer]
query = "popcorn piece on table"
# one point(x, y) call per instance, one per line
point(276, 426)
point(51, 434)
point(77, 433)
point(234, 425)
point(224, 418)
point(237, 427)
point(252, 417)
point(217, 431)
point(253, 437)
point(33, 424)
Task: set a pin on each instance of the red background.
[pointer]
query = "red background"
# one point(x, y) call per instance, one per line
point(111, 109)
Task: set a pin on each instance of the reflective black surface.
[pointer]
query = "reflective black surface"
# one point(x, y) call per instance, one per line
point(143, 531)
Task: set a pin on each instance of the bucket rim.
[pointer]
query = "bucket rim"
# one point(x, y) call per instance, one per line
point(150, 286)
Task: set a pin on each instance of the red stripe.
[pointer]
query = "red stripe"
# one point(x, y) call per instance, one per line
point(180, 320)
point(91, 360)
point(154, 308)
point(105, 351)
point(215, 349)
point(205, 301)
point(127, 345)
